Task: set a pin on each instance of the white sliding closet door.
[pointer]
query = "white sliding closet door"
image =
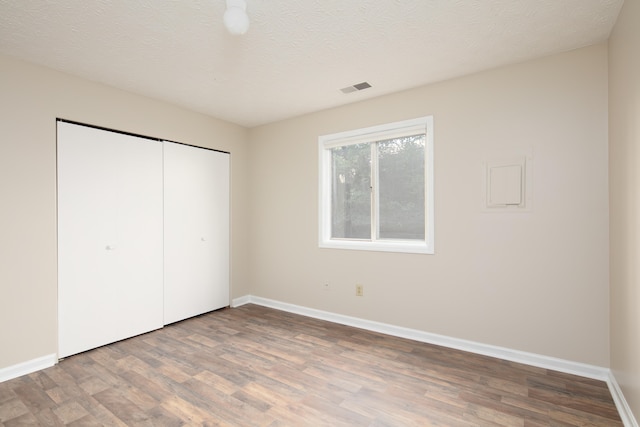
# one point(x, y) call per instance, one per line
point(109, 237)
point(196, 231)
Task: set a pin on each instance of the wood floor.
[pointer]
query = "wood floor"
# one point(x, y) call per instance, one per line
point(254, 366)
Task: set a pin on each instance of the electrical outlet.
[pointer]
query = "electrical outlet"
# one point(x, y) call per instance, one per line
point(326, 286)
point(359, 290)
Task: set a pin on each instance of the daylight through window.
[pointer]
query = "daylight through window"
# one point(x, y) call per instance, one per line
point(376, 188)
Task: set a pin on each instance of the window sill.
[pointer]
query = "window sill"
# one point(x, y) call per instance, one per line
point(402, 246)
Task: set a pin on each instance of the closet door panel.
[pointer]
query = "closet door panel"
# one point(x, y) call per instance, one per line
point(196, 233)
point(109, 237)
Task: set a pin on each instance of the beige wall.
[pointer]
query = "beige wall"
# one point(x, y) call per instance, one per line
point(624, 189)
point(31, 100)
point(536, 282)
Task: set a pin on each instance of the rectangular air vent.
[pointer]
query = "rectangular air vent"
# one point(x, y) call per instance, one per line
point(355, 88)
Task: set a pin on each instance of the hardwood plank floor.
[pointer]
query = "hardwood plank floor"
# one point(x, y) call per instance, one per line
point(254, 366)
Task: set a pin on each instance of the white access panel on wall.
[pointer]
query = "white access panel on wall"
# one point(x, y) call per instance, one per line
point(196, 231)
point(110, 229)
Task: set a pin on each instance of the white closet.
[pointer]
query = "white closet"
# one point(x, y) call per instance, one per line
point(138, 246)
point(196, 231)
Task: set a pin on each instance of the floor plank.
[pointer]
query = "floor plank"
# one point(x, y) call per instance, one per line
point(255, 366)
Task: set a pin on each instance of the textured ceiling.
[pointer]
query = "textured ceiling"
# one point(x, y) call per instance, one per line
point(297, 54)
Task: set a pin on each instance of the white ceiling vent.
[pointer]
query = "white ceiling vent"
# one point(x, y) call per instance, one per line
point(355, 88)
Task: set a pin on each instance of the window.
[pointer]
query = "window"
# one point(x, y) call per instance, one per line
point(376, 188)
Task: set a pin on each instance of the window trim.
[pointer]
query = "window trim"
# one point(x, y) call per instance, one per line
point(372, 134)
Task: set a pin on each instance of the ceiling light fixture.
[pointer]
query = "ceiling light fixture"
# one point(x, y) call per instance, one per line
point(235, 17)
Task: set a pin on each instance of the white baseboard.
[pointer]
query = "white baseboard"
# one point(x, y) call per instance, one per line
point(532, 359)
point(237, 302)
point(27, 367)
point(621, 403)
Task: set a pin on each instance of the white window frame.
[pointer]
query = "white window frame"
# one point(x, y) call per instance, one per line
point(369, 135)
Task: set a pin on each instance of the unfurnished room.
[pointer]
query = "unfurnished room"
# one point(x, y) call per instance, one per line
point(320, 213)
